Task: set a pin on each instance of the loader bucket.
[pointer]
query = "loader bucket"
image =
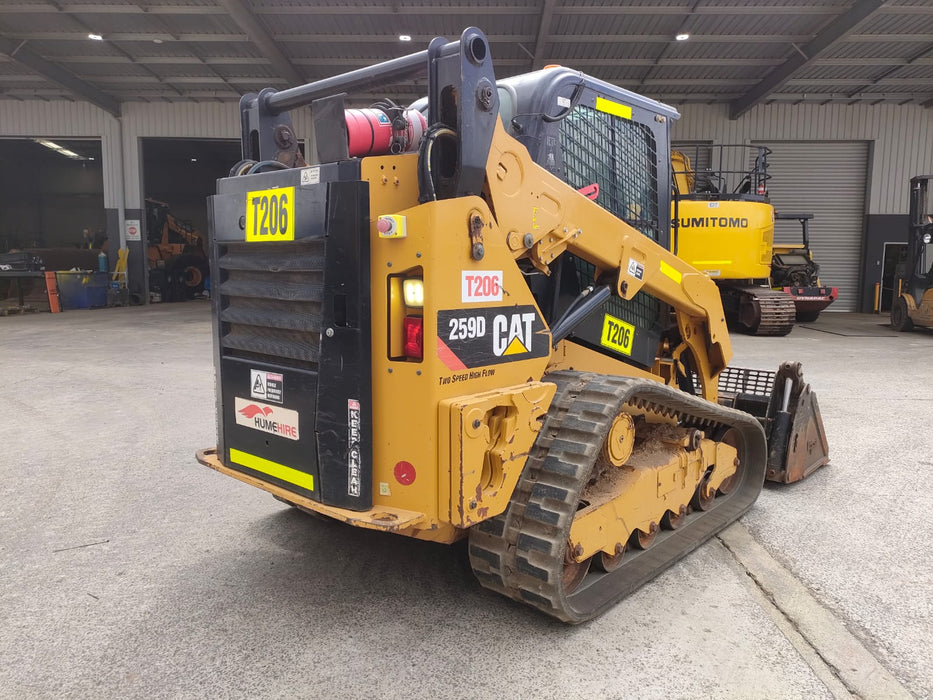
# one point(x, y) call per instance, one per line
point(788, 411)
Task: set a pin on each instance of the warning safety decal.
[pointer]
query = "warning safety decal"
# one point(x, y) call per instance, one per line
point(268, 386)
point(490, 335)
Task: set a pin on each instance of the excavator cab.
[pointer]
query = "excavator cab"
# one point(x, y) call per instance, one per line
point(913, 305)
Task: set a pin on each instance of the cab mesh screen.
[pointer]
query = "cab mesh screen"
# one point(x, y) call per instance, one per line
point(621, 157)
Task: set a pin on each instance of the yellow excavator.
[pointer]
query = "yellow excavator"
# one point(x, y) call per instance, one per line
point(479, 331)
point(724, 226)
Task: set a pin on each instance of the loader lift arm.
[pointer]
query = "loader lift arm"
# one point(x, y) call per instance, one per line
point(562, 219)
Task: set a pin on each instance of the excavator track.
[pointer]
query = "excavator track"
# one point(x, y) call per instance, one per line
point(523, 553)
point(764, 311)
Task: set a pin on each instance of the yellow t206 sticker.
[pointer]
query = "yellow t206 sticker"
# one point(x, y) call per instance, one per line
point(270, 215)
point(617, 335)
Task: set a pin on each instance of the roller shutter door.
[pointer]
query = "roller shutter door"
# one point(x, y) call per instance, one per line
point(828, 180)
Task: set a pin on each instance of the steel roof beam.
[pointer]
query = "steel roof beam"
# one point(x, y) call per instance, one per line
point(244, 18)
point(544, 26)
point(731, 39)
point(316, 10)
point(98, 9)
point(56, 74)
point(829, 35)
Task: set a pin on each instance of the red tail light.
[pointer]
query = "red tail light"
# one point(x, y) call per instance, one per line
point(761, 188)
point(413, 330)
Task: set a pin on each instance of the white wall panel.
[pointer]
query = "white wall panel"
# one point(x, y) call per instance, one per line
point(120, 138)
point(210, 120)
point(901, 136)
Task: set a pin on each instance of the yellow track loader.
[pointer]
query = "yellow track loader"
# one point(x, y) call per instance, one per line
point(479, 332)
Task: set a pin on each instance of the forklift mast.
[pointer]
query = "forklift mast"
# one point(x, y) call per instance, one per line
point(916, 278)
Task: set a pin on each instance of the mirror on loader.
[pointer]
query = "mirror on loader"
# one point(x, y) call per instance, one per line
point(476, 330)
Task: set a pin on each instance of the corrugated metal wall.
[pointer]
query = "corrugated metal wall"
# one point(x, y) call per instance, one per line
point(120, 138)
point(902, 137)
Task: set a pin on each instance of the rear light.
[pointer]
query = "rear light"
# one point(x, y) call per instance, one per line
point(761, 189)
point(413, 292)
point(413, 334)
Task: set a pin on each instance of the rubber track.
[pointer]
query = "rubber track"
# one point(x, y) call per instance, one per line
point(776, 308)
point(520, 553)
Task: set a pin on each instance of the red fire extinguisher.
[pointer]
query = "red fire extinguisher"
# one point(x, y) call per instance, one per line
point(372, 131)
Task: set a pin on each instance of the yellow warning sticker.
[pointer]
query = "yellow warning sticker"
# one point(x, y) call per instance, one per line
point(671, 272)
point(614, 108)
point(617, 335)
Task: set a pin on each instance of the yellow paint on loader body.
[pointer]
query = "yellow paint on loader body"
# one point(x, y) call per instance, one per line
point(425, 409)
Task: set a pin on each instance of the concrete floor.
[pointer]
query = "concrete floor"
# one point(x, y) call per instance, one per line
point(128, 570)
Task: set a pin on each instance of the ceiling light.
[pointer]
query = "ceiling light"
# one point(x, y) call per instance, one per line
point(404, 37)
point(682, 37)
point(95, 37)
point(194, 160)
point(61, 150)
point(156, 41)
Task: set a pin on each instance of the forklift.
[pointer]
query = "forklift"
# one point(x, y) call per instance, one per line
point(914, 302)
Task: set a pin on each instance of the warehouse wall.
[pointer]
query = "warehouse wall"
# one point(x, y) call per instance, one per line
point(51, 119)
point(202, 120)
point(120, 138)
point(902, 138)
point(902, 135)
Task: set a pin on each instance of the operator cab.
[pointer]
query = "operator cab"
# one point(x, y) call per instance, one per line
point(611, 145)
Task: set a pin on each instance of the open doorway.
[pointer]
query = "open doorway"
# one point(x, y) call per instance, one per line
point(892, 267)
point(51, 189)
point(178, 177)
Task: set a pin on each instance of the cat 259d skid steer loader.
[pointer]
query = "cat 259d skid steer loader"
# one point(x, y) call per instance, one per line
point(436, 331)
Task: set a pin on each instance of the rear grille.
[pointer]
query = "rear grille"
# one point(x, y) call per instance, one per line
point(270, 300)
